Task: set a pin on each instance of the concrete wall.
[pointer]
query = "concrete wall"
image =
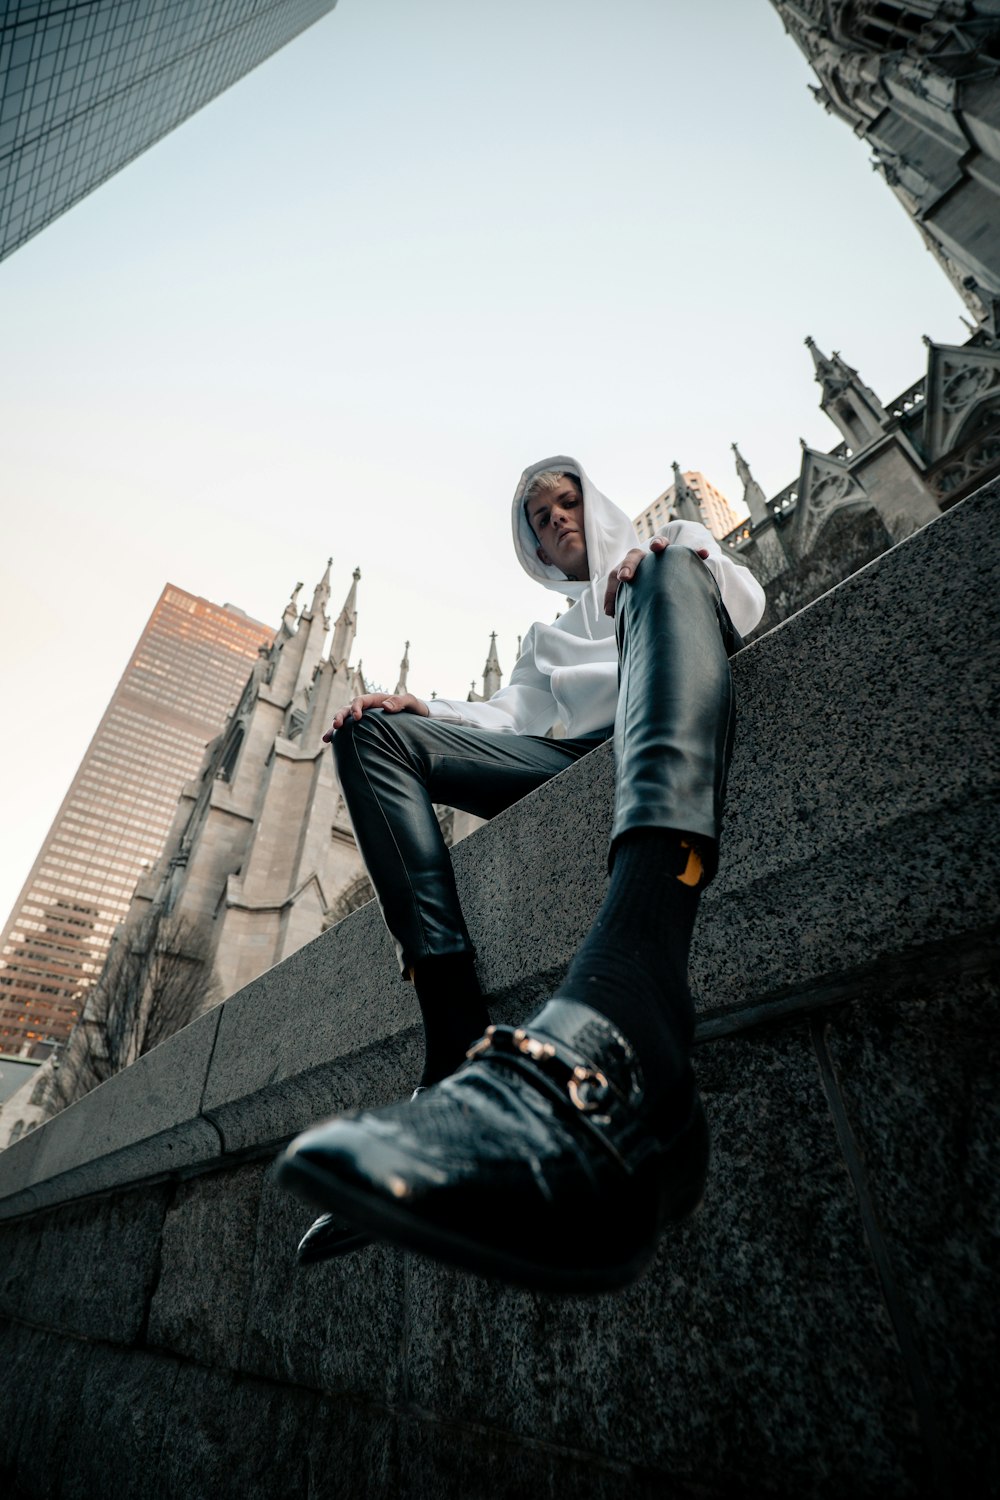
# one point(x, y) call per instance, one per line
point(826, 1326)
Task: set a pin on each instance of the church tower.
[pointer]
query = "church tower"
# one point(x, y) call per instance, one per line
point(261, 842)
point(754, 498)
point(920, 83)
point(852, 406)
point(492, 675)
point(686, 507)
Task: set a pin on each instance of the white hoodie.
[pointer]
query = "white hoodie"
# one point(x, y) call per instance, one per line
point(568, 670)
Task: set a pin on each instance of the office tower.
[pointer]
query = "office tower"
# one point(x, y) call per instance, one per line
point(691, 497)
point(920, 84)
point(186, 672)
point(87, 85)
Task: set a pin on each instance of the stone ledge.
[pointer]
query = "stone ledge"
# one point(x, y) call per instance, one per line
point(865, 776)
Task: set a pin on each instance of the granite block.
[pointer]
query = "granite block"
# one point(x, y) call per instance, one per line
point(378, 1073)
point(207, 1252)
point(441, 1461)
point(917, 887)
point(532, 879)
point(340, 997)
point(46, 1387)
point(143, 1121)
point(354, 1453)
point(86, 1268)
point(17, 1167)
point(121, 1425)
point(736, 1361)
point(918, 1078)
point(335, 1327)
point(18, 1360)
point(227, 1439)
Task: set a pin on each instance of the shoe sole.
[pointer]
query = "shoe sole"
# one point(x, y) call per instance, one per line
point(352, 1241)
point(385, 1220)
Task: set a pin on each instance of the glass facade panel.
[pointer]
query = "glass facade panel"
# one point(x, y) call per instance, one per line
point(116, 815)
point(122, 76)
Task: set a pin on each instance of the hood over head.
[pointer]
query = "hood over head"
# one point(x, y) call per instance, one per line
point(608, 530)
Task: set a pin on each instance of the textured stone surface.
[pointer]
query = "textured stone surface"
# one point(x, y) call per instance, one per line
point(86, 1268)
point(918, 1077)
point(142, 1121)
point(276, 1105)
point(232, 1437)
point(866, 769)
point(206, 1257)
point(355, 1452)
point(737, 1357)
point(121, 1425)
point(339, 998)
point(43, 1377)
point(230, 1294)
point(334, 1327)
point(84, 1420)
point(442, 1462)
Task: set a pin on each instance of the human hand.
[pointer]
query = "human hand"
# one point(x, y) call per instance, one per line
point(391, 703)
point(626, 570)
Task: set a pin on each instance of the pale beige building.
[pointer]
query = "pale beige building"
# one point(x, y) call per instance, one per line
point(691, 497)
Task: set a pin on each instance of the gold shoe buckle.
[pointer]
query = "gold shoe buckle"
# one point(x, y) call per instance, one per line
point(483, 1045)
point(532, 1047)
point(581, 1082)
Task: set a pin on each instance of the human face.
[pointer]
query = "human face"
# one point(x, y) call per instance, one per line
point(556, 518)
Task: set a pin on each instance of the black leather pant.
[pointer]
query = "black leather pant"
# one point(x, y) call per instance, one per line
point(673, 735)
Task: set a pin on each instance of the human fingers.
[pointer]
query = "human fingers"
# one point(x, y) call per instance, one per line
point(628, 568)
point(352, 710)
point(622, 574)
point(395, 703)
point(661, 543)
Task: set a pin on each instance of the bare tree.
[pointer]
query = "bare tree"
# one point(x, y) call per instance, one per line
point(157, 977)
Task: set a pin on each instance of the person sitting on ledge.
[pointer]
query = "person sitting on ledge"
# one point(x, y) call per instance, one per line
point(552, 1155)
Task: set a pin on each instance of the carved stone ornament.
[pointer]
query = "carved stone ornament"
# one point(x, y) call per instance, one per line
point(962, 387)
point(961, 391)
point(824, 489)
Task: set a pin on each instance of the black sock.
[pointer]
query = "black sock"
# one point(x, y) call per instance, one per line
point(632, 966)
point(453, 1010)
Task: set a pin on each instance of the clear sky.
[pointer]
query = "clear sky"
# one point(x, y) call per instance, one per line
point(340, 309)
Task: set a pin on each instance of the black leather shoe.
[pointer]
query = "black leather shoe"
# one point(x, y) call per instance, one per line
point(538, 1162)
point(330, 1236)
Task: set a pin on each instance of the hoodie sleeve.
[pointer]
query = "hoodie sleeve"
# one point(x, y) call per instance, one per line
point(741, 593)
point(524, 706)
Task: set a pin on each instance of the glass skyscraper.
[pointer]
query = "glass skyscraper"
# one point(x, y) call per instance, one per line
point(186, 672)
point(86, 85)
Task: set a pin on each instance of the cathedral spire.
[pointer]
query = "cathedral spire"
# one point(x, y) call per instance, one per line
point(492, 676)
point(321, 593)
point(346, 627)
point(291, 614)
point(753, 496)
point(686, 507)
point(404, 668)
point(851, 405)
